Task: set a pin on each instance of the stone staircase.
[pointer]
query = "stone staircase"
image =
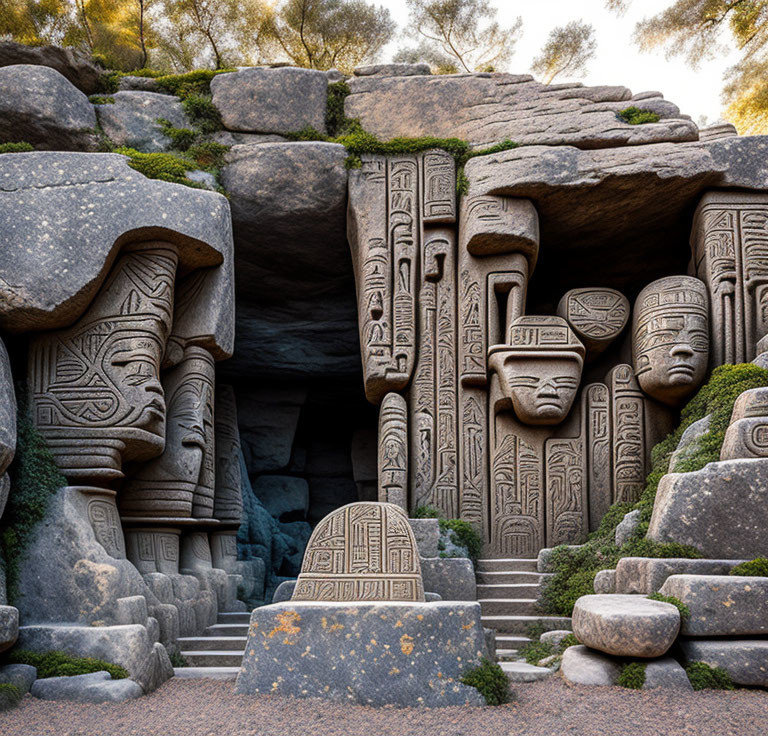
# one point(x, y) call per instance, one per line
point(508, 591)
point(219, 651)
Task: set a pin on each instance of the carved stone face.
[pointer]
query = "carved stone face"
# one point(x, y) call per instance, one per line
point(671, 338)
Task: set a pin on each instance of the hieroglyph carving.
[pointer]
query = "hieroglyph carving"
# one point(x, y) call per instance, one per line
point(228, 501)
point(628, 424)
point(95, 387)
point(597, 316)
point(393, 451)
point(361, 552)
point(730, 254)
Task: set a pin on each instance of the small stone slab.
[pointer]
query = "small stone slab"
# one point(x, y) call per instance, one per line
point(524, 672)
point(583, 666)
point(555, 637)
point(647, 575)
point(626, 625)
point(366, 653)
point(721, 605)
point(206, 673)
point(452, 578)
point(666, 673)
point(96, 687)
point(605, 581)
point(745, 660)
point(427, 534)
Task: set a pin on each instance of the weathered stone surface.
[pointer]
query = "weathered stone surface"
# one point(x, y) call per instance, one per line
point(524, 672)
point(743, 659)
point(9, 627)
point(717, 131)
point(7, 419)
point(721, 605)
point(647, 575)
point(718, 509)
point(689, 442)
point(583, 666)
point(452, 578)
point(20, 675)
point(129, 646)
point(132, 119)
point(230, 138)
point(282, 100)
point(745, 433)
point(392, 70)
point(284, 592)
point(41, 107)
point(427, 534)
point(625, 625)
point(597, 316)
point(489, 108)
point(130, 83)
point(374, 557)
point(605, 582)
point(72, 63)
point(288, 205)
point(115, 206)
point(414, 654)
point(97, 687)
point(555, 637)
point(626, 527)
point(666, 673)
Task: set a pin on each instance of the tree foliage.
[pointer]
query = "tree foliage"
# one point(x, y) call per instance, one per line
point(459, 35)
point(567, 51)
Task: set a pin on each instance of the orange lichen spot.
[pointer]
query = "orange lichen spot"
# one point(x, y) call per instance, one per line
point(336, 627)
point(287, 621)
point(466, 627)
point(398, 624)
point(394, 671)
point(420, 616)
point(406, 644)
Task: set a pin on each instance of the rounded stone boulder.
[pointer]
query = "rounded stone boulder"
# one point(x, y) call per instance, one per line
point(626, 625)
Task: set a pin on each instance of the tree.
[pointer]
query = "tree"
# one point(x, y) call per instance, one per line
point(567, 51)
point(466, 31)
point(326, 34)
point(427, 53)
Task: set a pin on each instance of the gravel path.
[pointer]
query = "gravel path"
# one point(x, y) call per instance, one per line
point(549, 708)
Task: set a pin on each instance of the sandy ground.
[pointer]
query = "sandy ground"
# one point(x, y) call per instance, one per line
point(549, 708)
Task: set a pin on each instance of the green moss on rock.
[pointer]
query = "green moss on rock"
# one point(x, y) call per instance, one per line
point(60, 664)
point(704, 677)
point(637, 116)
point(21, 147)
point(685, 612)
point(757, 568)
point(10, 696)
point(632, 675)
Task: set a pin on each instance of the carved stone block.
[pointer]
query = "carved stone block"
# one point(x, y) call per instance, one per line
point(393, 451)
point(361, 552)
point(597, 316)
point(228, 499)
point(747, 434)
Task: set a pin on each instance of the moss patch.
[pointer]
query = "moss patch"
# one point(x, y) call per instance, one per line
point(632, 676)
point(21, 147)
point(535, 651)
point(10, 696)
point(101, 100)
point(61, 664)
point(205, 116)
point(704, 677)
point(756, 568)
point(181, 138)
point(426, 512)
point(34, 479)
point(464, 534)
point(490, 681)
point(637, 116)
point(335, 119)
point(569, 641)
point(575, 569)
point(685, 612)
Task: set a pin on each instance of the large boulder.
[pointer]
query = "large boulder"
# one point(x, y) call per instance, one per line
point(9, 627)
point(625, 625)
point(284, 100)
point(488, 108)
point(74, 64)
point(132, 119)
point(721, 605)
point(583, 666)
point(646, 575)
point(719, 509)
point(743, 659)
point(40, 106)
point(96, 687)
point(369, 654)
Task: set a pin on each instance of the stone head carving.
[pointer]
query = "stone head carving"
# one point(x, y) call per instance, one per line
point(670, 331)
point(596, 315)
point(180, 483)
point(95, 387)
point(539, 369)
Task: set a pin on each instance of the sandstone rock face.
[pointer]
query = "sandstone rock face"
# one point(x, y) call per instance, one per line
point(283, 100)
point(317, 653)
point(96, 687)
point(392, 70)
point(488, 108)
point(743, 659)
point(132, 120)
point(717, 509)
point(625, 625)
point(721, 605)
point(43, 108)
point(583, 666)
point(71, 63)
point(666, 673)
point(647, 575)
point(116, 205)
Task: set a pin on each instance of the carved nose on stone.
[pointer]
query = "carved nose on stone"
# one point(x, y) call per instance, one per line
point(683, 350)
point(547, 389)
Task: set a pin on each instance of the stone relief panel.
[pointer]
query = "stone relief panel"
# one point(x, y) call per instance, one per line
point(393, 451)
point(597, 316)
point(361, 552)
point(228, 500)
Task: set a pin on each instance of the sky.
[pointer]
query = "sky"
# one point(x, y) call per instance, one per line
point(618, 60)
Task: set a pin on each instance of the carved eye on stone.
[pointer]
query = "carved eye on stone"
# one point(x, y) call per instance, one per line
point(523, 382)
point(565, 382)
point(700, 343)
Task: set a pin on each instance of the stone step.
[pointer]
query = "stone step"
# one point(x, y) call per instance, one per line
point(506, 565)
point(211, 673)
point(507, 641)
point(520, 624)
point(234, 617)
point(524, 672)
point(213, 658)
point(227, 630)
point(511, 578)
point(514, 590)
point(508, 606)
point(220, 643)
point(507, 655)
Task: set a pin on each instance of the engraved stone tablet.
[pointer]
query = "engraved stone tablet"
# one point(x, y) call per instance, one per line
point(597, 316)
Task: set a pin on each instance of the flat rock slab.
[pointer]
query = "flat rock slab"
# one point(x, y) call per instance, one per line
point(625, 625)
point(719, 509)
point(524, 672)
point(666, 673)
point(488, 108)
point(40, 106)
point(132, 119)
point(646, 575)
point(721, 605)
point(583, 666)
point(745, 660)
point(284, 100)
point(206, 673)
point(97, 687)
point(369, 654)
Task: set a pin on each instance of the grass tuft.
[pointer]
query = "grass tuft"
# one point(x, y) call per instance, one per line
point(637, 116)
